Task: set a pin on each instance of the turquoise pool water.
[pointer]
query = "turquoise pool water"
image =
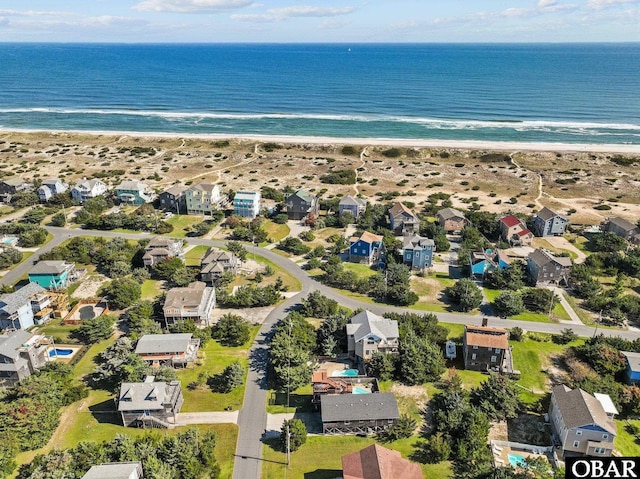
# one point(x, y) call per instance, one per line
point(8, 240)
point(346, 373)
point(361, 391)
point(60, 352)
point(516, 460)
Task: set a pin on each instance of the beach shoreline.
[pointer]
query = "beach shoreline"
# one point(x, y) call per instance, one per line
point(391, 142)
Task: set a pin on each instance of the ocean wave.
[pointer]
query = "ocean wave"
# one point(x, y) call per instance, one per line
point(572, 127)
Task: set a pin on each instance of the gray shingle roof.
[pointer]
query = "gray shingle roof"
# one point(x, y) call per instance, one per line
point(633, 359)
point(417, 242)
point(50, 267)
point(10, 343)
point(542, 257)
point(146, 396)
point(366, 322)
point(579, 408)
point(358, 407)
point(350, 200)
point(163, 343)
point(190, 296)
point(11, 302)
point(546, 214)
point(132, 185)
point(114, 471)
point(448, 213)
point(14, 181)
point(175, 190)
point(622, 223)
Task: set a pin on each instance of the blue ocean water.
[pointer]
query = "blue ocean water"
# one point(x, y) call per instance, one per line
point(579, 93)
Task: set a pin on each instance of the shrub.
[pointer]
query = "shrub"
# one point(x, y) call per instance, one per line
point(340, 177)
point(232, 330)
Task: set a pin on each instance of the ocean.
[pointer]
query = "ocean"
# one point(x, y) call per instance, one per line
point(570, 93)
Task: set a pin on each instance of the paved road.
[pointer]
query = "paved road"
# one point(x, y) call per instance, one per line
point(252, 420)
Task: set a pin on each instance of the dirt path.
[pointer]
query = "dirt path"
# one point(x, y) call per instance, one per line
point(363, 155)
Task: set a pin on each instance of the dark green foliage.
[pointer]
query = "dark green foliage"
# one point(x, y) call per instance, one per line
point(398, 290)
point(512, 277)
point(249, 296)
point(132, 222)
point(540, 300)
point(516, 334)
point(316, 305)
point(34, 216)
point(497, 397)
point(24, 198)
point(230, 378)
point(404, 428)
point(171, 269)
point(281, 218)
point(290, 351)
point(486, 223)
point(9, 256)
point(96, 329)
point(59, 219)
point(349, 150)
point(307, 236)
point(296, 432)
point(381, 366)
point(508, 303)
point(624, 160)
point(140, 320)
point(565, 337)
point(607, 242)
point(339, 177)
point(331, 336)
point(238, 249)
point(189, 326)
point(232, 330)
point(293, 246)
point(495, 158)
point(423, 325)
point(269, 193)
point(7, 453)
point(393, 152)
point(434, 449)
point(123, 293)
point(465, 294)
point(437, 233)
point(28, 235)
point(420, 361)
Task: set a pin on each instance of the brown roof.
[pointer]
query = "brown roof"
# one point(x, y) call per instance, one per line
point(400, 208)
point(377, 462)
point(367, 238)
point(189, 296)
point(486, 337)
point(579, 408)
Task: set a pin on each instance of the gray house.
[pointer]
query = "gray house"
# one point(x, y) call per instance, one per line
point(215, 263)
point(50, 187)
point(116, 470)
point(173, 199)
point(368, 333)
point(402, 220)
point(178, 349)
point(581, 423)
point(354, 205)
point(623, 228)
point(301, 204)
point(161, 248)
point(545, 268)
point(21, 355)
point(195, 302)
point(12, 185)
point(358, 413)
point(451, 219)
point(548, 223)
point(150, 404)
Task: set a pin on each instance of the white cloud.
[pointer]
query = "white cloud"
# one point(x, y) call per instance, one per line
point(4, 22)
point(32, 13)
point(191, 6)
point(109, 20)
point(602, 4)
point(297, 11)
point(255, 17)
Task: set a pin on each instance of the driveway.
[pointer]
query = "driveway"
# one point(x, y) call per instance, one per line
point(186, 418)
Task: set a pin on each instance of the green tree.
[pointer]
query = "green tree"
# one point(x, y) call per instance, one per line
point(232, 330)
point(465, 294)
point(168, 268)
point(539, 299)
point(381, 366)
point(238, 249)
point(59, 219)
point(96, 329)
point(24, 198)
point(317, 305)
point(403, 428)
point(508, 303)
point(290, 353)
point(607, 242)
point(565, 337)
point(293, 433)
point(434, 449)
point(497, 397)
point(123, 293)
point(230, 378)
point(420, 361)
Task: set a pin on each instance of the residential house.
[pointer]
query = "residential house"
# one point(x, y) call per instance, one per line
point(150, 404)
point(514, 231)
point(301, 204)
point(417, 252)
point(580, 424)
point(195, 302)
point(451, 220)
point(202, 199)
point(21, 355)
point(324, 384)
point(354, 205)
point(368, 333)
point(161, 248)
point(633, 366)
point(246, 204)
point(483, 262)
point(173, 199)
point(215, 262)
point(51, 187)
point(358, 413)
point(87, 189)
point(367, 249)
point(402, 220)
point(545, 268)
point(377, 462)
point(25, 307)
point(623, 228)
point(12, 185)
point(548, 223)
point(115, 470)
point(52, 274)
point(168, 349)
point(486, 349)
point(134, 193)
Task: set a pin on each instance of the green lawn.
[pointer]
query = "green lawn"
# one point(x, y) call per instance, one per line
point(216, 358)
point(431, 307)
point(560, 313)
point(275, 231)
point(150, 289)
point(492, 294)
point(182, 224)
point(195, 254)
point(320, 458)
point(288, 279)
point(362, 270)
point(60, 331)
point(299, 401)
point(626, 443)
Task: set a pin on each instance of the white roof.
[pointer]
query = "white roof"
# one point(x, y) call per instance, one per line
point(607, 403)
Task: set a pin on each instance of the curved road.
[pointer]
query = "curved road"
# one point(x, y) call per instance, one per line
point(252, 418)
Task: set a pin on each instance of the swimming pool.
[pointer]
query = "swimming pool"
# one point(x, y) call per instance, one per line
point(361, 391)
point(62, 352)
point(9, 240)
point(348, 373)
point(516, 460)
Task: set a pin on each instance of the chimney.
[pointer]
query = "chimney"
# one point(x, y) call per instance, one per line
point(485, 321)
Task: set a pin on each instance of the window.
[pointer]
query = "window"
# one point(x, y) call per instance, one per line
point(346, 423)
point(599, 450)
point(475, 347)
point(473, 356)
point(605, 436)
point(498, 350)
point(493, 359)
point(576, 443)
point(578, 433)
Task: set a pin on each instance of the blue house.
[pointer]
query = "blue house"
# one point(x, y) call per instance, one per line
point(483, 262)
point(368, 249)
point(18, 310)
point(246, 204)
point(417, 252)
point(51, 274)
point(633, 366)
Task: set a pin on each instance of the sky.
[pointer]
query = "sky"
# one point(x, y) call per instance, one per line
point(344, 21)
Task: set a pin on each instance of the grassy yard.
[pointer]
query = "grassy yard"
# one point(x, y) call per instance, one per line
point(182, 224)
point(492, 294)
point(320, 457)
point(216, 358)
point(288, 279)
point(362, 270)
point(543, 243)
point(151, 288)
point(626, 443)
point(195, 254)
point(61, 332)
point(275, 231)
point(299, 401)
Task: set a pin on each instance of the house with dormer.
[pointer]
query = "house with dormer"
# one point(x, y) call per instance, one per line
point(301, 204)
point(368, 333)
point(87, 189)
point(51, 187)
point(352, 204)
point(451, 220)
point(215, 263)
point(21, 355)
point(582, 424)
point(161, 248)
point(549, 223)
point(202, 199)
point(417, 252)
point(149, 403)
point(195, 302)
point(25, 307)
point(366, 249)
point(402, 220)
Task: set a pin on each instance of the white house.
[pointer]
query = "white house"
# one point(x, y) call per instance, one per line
point(87, 189)
point(50, 187)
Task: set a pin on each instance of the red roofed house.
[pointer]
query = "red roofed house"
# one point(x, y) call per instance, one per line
point(487, 348)
point(377, 462)
point(514, 231)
